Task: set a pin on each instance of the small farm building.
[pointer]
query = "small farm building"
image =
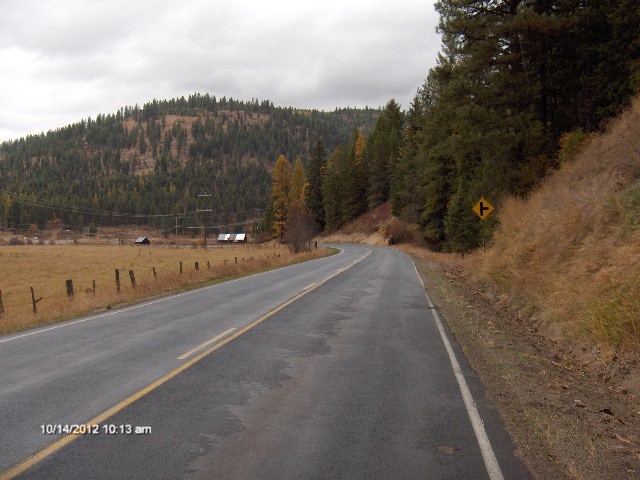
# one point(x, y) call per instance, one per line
point(232, 238)
point(143, 241)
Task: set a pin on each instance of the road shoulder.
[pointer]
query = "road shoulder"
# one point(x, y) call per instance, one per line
point(565, 422)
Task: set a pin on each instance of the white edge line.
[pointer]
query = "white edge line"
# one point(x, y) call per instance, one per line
point(488, 455)
point(146, 304)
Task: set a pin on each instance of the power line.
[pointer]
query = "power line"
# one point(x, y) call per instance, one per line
point(67, 207)
point(57, 205)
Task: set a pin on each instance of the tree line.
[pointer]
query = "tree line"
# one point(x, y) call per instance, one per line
point(518, 83)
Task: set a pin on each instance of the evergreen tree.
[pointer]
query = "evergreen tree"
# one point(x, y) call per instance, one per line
point(462, 226)
point(331, 193)
point(405, 182)
point(381, 153)
point(349, 169)
point(315, 172)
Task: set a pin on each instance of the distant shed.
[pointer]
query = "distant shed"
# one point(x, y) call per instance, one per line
point(232, 238)
point(142, 241)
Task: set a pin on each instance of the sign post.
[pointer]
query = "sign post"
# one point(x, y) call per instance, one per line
point(483, 209)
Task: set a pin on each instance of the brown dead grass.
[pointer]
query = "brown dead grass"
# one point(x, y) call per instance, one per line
point(375, 238)
point(571, 251)
point(45, 268)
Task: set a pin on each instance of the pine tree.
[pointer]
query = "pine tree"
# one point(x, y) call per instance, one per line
point(349, 170)
point(462, 226)
point(315, 172)
point(381, 153)
point(405, 183)
point(331, 193)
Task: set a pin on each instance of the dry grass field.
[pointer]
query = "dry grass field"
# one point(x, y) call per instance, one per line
point(46, 268)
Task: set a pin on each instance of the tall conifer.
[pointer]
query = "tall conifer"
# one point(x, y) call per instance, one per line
point(315, 171)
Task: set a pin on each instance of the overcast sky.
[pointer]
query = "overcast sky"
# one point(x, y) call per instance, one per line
point(64, 60)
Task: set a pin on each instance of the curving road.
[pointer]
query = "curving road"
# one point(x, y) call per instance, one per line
point(334, 368)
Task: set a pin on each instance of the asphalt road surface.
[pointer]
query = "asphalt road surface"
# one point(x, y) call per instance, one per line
point(334, 368)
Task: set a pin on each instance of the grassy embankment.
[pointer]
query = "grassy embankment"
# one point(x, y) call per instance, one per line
point(45, 268)
point(570, 252)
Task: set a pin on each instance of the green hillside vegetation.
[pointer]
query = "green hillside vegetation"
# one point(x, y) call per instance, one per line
point(146, 165)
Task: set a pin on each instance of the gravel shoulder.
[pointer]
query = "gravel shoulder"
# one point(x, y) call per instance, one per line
point(568, 419)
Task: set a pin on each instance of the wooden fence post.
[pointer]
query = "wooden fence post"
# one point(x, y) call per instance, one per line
point(197, 266)
point(94, 287)
point(1, 305)
point(180, 266)
point(34, 301)
point(236, 259)
point(208, 265)
point(155, 274)
point(118, 280)
point(133, 278)
point(70, 291)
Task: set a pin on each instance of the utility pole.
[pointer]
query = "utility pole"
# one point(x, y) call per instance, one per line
point(204, 223)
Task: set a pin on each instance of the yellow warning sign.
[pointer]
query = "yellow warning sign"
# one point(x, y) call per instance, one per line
point(483, 208)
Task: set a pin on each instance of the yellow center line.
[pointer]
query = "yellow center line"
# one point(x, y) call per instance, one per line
point(37, 457)
point(208, 342)
point(309, 286)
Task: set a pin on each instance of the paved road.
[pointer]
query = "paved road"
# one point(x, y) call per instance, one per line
point(349, 380)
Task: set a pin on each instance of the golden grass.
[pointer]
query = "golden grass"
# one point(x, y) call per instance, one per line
point(572, 249)
point(45, 268)
point(376, 238)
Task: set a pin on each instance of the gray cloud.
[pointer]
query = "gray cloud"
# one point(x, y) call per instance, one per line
point(64, 60)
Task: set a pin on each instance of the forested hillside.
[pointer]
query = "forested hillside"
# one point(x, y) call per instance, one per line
point(148, 164)
point(518, 85)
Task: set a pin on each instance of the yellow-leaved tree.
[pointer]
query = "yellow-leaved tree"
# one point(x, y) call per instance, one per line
point(301, 224)
point(280, 194)
point(298, 182)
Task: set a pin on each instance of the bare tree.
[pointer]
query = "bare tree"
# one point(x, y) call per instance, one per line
point(301, 227)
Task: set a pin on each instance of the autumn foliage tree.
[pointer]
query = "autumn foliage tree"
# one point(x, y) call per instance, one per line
point(298, 183)
point(280, 195)
point(293, 222)
point(301, 224)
